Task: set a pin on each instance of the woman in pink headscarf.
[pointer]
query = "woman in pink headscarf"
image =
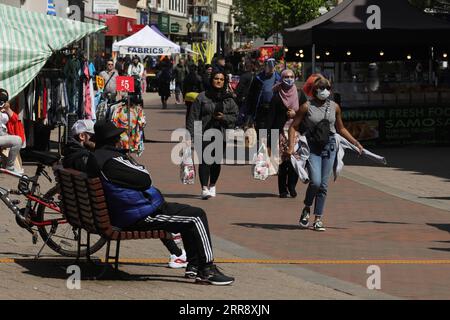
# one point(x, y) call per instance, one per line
point(283, 107)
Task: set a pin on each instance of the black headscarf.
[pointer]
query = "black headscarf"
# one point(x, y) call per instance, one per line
point(218, 95)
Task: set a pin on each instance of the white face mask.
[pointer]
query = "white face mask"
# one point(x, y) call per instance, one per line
point(323, 94)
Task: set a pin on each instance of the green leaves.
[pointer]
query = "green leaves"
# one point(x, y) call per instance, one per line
point(264, 18)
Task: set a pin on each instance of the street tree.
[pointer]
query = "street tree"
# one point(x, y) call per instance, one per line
point(263, 18)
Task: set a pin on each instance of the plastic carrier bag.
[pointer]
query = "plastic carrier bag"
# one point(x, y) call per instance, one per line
point(261, 164)
point(187, 168)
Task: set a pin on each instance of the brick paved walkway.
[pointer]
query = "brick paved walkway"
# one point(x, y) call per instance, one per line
point(248, 220)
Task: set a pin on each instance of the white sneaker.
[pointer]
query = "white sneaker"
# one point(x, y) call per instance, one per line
point(212, 191)
point(178, 262)
point(205, 194)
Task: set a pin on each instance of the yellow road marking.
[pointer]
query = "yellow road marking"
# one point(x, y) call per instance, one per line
point(258, 261)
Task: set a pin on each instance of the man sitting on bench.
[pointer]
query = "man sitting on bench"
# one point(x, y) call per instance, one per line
point(76, 155)
point(136, 205)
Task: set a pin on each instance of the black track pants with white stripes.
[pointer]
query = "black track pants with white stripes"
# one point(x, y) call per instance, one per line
point(191, 222)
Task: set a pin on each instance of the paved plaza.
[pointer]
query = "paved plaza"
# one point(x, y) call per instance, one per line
point(396, 217)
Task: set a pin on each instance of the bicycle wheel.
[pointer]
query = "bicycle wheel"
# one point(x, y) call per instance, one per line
point(65, 239)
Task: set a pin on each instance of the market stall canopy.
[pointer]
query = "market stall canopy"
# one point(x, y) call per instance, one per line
point(371, 23)
point(146, 42)
point(28, 39)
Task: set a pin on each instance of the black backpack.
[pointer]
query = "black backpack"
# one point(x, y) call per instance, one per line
point(320, 134)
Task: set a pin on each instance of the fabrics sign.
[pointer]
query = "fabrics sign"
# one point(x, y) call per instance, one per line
point(153, 51)
point(399, 125)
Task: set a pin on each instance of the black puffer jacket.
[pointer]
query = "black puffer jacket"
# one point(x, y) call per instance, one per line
point(204, 108)
point(75, 155)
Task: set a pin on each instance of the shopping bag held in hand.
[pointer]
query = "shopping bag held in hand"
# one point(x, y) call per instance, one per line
point(187, 168)
point(261, 164)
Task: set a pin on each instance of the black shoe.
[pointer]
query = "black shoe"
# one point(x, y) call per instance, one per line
point(283, 195)
point(304, 218)
point(293, 193)
point(212, 275)
point(191, 271)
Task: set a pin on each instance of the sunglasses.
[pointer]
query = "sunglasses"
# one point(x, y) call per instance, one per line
point(324, 87)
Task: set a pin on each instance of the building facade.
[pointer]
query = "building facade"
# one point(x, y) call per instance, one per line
point(222, 26)
point(183, 21)
point(213, 22)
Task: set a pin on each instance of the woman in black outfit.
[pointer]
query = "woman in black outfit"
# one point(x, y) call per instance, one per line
point(164, 77)
point(216, 109)
point(192, 83)
point(283, 107)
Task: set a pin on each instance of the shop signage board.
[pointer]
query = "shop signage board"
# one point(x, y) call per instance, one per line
point(125, 84)
point(202, 19)
point(118, 26)
point(105, 6)
point(175, 28)
point(164, 23)
point(399, 125)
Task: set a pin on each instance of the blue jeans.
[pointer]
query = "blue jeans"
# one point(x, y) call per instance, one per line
point(320, 166)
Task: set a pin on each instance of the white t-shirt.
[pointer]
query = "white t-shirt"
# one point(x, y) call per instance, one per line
point(136, 70)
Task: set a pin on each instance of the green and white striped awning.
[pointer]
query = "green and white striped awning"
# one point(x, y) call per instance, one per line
point(26, 42)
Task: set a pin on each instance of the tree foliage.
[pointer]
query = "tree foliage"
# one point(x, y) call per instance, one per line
point(263, 18)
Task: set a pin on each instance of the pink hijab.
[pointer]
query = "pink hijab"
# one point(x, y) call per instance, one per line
point(289, 96)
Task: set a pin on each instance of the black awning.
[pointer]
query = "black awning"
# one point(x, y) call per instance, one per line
point(401, 25)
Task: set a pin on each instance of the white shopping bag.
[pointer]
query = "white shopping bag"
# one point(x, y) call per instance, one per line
point(261, 164)
point(187, 168)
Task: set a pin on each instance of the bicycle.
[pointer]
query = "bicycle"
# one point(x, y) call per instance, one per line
point(42, 214)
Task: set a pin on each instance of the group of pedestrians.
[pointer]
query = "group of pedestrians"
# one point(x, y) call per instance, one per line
point(266, 99)
point(135, 69)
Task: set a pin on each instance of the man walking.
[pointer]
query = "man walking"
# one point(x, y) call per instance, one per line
point(261, 93)
point(109, 77)
point(180, 72)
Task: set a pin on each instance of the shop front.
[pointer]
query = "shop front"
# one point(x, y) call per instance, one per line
point(118, 28)
point(390, 76)
point(178, 30)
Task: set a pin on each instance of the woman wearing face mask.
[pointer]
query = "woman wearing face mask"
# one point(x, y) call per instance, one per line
point(216, 109)
point(283, 108)
point(322, 153)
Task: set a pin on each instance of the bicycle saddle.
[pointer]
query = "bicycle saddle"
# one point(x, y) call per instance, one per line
point(44, 157)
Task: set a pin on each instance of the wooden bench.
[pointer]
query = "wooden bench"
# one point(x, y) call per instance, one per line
point(84, 207)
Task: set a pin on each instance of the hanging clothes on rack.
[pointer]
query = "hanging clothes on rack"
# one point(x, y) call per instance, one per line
point(45, 107)
point(134, 121)
point(72, 74)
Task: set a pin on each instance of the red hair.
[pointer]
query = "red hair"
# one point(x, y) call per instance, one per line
point(309, 84)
